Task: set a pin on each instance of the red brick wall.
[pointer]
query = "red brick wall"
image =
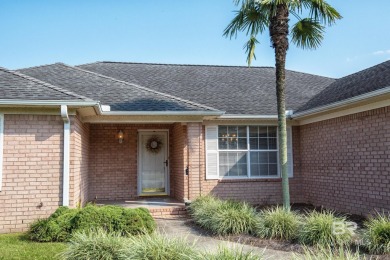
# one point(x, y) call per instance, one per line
point(256, 191)
point(178, 161)
point(113, 166)
point(79, 160)
point(195, 146)
point(32, 170)
point(346, 162)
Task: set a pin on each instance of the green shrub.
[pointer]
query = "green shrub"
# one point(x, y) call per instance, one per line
point(95, 245)
point(43, 230)
point(376, 235)
point(277, 223)
point(318, 227)
point(203, 208)
point(232, 254)
point(224, 217)
point(64, 222)
point(159, 247)
point(327, 252)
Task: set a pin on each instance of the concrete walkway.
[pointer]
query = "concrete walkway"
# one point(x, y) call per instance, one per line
point(176, 228)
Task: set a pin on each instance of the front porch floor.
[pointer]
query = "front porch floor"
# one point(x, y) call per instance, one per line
point(159, 207)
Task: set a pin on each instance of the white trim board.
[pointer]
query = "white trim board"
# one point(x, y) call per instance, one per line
point(1, 148)
point(66, 158)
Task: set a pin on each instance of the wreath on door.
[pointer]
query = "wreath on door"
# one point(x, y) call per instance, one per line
point(154, 144)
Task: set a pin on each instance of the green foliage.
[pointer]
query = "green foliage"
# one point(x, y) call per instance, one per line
point(224, 217)
point(64, 222)
point(376, 235)
point(159, 247)
point(327, 252)
point(318, 227)
point(231, 254)
point(95, 245)
point(19, 246)
point(278, 223)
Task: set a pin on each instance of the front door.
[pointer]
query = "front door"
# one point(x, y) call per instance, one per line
point(153, 163)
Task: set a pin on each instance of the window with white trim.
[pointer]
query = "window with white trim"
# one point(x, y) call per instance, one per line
point(247, 151)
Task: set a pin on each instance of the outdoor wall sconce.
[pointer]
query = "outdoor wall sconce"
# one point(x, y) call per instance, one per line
point(120, 136)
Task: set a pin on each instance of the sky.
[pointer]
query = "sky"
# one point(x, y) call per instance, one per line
point(180, 32)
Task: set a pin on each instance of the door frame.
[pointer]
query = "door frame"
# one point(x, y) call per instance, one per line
point(139, 141)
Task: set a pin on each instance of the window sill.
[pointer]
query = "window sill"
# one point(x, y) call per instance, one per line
point(278, 179)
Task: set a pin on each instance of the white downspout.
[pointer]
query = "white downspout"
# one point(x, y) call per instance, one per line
point(65, 182)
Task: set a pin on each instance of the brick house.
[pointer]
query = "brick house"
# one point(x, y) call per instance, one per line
point(117, 131)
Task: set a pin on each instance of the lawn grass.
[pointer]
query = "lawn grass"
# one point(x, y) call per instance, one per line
point(18, 246)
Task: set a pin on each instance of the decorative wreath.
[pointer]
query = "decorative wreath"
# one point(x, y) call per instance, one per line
point(154, 144)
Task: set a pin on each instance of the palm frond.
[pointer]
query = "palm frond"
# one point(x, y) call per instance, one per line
point(250, 47)
point(307, 33)
point(320, 10)
point(249, 18)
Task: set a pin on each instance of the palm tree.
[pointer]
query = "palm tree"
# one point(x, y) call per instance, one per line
point(255, 17)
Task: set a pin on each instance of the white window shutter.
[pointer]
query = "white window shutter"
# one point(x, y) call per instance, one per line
point(290, 161)
point(211, 152)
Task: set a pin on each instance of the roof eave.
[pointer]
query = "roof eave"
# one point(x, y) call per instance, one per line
point(343, 103)
point(162, 113)
point(23, 102)
point(243, 116)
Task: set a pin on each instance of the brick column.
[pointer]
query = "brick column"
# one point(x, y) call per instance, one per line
point(195, 157)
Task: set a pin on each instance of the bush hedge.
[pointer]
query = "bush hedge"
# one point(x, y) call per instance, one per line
point(159, 247)
point(64, 222)
point(98, 244)
point(318, 229)
point(376, 235)
point(225, 253)
point(278, 223)
point(224, 217)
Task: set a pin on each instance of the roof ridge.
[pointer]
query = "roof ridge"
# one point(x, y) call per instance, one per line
point(38, 66)
point(176, 64)
point(64, 91)
point(142, 87)
point(362, 70)
point(202, 65)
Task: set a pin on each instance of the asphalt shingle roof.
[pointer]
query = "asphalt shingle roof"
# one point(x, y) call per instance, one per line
point(15, 85)
point(121, 96)
point(236, 90)
point(356, 84)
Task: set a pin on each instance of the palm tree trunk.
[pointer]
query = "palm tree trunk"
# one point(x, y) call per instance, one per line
point(279, 33)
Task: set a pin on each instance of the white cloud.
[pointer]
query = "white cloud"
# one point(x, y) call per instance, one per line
point(383, 52)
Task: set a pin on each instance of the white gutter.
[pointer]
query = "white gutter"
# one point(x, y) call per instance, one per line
point(343, 103)
point(66, 175)
point(230, 116)
point(243, 116)
point(160, 113)
point(22, 102)
point(1, 148)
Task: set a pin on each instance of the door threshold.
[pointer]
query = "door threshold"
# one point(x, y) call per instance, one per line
point(153, 194)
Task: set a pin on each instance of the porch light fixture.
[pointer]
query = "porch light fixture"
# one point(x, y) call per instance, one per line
point(120, 136)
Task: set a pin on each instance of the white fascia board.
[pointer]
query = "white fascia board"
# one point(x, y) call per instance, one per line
point(161, 113)
point(232, 116)
point(342, 103)
point(21, 102)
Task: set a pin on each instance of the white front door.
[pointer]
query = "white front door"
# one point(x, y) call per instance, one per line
point(153, 163)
